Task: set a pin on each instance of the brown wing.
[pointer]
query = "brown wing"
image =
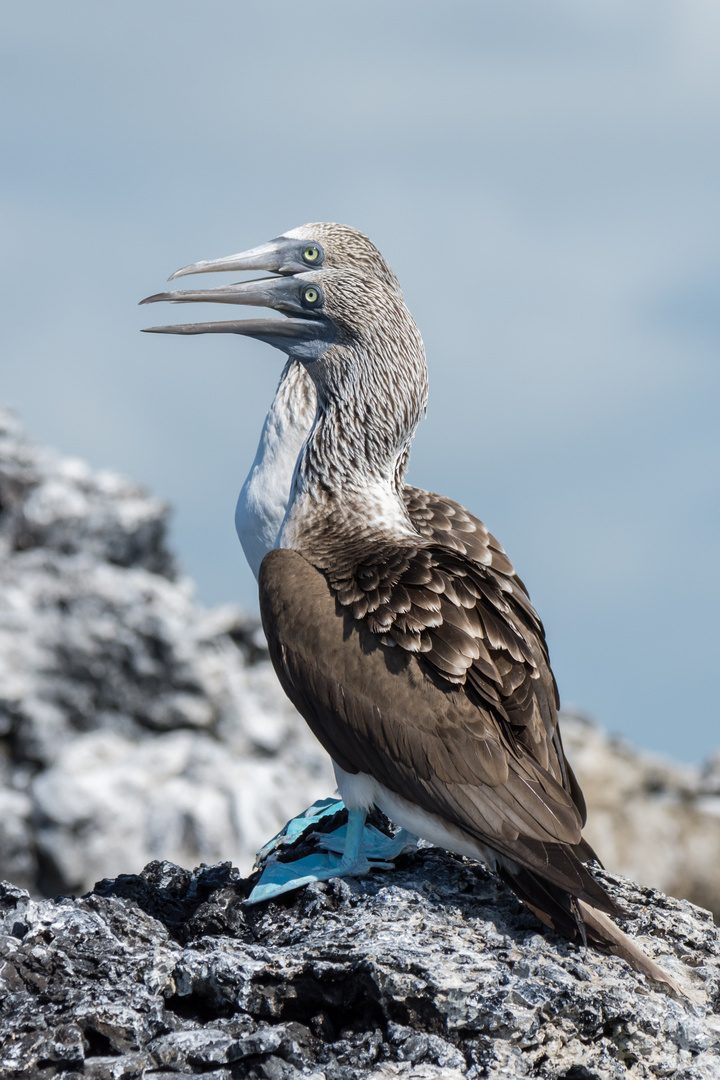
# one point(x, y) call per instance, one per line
point(419, 682)
point(445, 522)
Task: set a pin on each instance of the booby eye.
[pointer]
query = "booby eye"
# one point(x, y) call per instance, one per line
point(311, 295)
point(311, 254)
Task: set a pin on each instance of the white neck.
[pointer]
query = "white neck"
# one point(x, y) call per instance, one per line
point(265, 494)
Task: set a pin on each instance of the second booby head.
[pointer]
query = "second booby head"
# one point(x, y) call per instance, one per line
point(320, 245)
point(306, 333)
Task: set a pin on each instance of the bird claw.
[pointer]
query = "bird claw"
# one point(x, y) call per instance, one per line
point(297, 826)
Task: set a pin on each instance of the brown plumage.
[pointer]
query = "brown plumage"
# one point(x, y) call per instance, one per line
point(490, 769)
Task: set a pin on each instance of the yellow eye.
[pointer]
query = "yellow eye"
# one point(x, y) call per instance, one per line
point(310, 295)
point(311, 254)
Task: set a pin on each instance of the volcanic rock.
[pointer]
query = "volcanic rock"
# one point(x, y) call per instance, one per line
point(134, 724)
point(431, 970)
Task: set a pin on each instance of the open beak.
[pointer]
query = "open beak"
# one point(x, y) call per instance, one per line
point(282, 333)
point(305, 335)
point(273, 256)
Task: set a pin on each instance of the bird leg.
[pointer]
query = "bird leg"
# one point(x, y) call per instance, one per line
point(375, 844)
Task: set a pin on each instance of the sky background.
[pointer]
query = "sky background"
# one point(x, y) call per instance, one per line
point(543, 176)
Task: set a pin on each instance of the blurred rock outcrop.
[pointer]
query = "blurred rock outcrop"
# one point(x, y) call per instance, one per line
point(656, 821)
point(135, 725)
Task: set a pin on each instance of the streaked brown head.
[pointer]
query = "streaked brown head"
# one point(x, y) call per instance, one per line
point(320, 245)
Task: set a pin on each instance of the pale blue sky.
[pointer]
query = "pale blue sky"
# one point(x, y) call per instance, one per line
point(544, 177)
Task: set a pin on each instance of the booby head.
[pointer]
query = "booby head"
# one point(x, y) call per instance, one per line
point(323, 307)
point(320, 245)
point(354, 336)
point(306, 334)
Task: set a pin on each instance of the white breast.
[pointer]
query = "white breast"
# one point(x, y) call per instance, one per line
point(264, 496)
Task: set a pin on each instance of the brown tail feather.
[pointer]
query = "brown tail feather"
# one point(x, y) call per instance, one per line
point(586, 853)
point(559, 869)
point(605, 934)
point(547, 901)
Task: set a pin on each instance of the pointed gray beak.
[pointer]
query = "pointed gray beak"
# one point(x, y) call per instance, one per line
point(282, 333)
point(280, 256)
point(250, 293)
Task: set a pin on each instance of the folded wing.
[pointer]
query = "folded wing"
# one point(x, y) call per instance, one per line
point(418, 667)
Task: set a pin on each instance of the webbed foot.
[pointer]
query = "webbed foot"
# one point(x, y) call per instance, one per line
point(281, 877)
point(352, 850)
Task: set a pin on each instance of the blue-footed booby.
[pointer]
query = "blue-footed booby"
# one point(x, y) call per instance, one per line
point(424, 675)
point(264, 496)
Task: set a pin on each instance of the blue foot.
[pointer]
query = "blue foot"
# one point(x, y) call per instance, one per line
point(346, 851)
point(278, 878)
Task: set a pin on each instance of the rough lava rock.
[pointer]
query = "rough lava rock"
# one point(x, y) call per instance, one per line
point(431, 970)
